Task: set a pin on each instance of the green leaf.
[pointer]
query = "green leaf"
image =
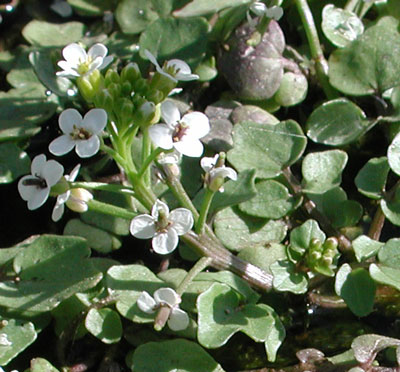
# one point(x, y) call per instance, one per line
point(393, 155)
point(97, 239)
point(133, 16)
point(385, 275)
point(292, 90)
point(287, 279)
point(127, 282)
point(234, 193)
point(16, 335)
point(340, 26)
point(168, 38)
point(393, 7)
point(365, 247)
point(237, 230)
point(105, 324)
point(272, 201)
point(90, 7)
point(337, 122)
point(389, 254)
point(42, 365)
point(301, 236)
point(203, 7)
point(13, 162)
point(222, 314)
point(366, 347)
point(50, 270)
point(267, 148)
point(370, 64)
point(371, 178)
point(391, 208)
point(322, 171)
point(45, 34)
point(356, 288)
point(179, 355)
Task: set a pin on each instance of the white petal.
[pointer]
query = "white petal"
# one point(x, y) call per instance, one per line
point(95, 64)
point(178, 320)
point(143, 227)
point(95, 121)
point(27, 191)
point(258, 8)
point(106, 61)
point(38, 198)
point(198, 124)
point(165, 242)
point(161, 136)
point(74, 54)
point(68, 119)
point(182, 220)
point(184, 72)
point(224, 172)
point(167, 296)
point(62, 145)
point(88, 148)
point(157, 207)
point(38, 164)
point(52, 172)
point(68, 69)
point(97, 50)
point(152, 59)
point(146, 303)
point(74, 173)
point(170, 113)
point(275, 12)
point(208, 163)
point(190, 147)
point(58, 211)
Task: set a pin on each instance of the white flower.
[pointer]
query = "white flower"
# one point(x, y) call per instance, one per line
point(79, 63)
point(260, 9)
point(178, 319)
point(58, 209)
point(175, 69)
point(162, 226)
point(79, 133)
point(214, 174)
point(181, 134)
point(35, 188)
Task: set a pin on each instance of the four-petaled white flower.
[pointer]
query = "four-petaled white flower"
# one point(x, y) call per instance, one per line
point(175, 69)
point(260, 9)
point(35, 188)
point(182, 134)
point(83, 134)
point(178, 319)
point(164, 227)
point(79, 63)
point(214, 172)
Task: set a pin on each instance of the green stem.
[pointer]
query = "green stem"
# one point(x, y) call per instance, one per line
point(112, 210)
point(147, 161)
point(205, 206)
point(146, 152)
point(351, 5)
point(321, 65)
point(199, 266)
point(120, 189)
point(364, 10)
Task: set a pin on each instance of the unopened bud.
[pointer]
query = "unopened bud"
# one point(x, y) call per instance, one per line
point(86, 89)
point(115, 90)
point(111, 77)
point(104, 100)
point(316, 244)
point(130, 73)
point(126, 89)
point(78, 200)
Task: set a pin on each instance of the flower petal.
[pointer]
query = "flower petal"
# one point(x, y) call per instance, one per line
point(143, 227)
point(223, 172)
point(189, 147)
point(95, 121)
point(184, 72)
point(161, 135)
point(68, 119)
point(165, 242)
point(178, 320)
point(27, 191)
point(198, 124)
point(146, 303)
point(68, 69)
point(88, 148)
point(74, 54)
point(157, 207)
point(52, 172)
point(152, 59)
point(208, 163)
point(97, 50)
point(170, 113)
point(62, 145)
point(58, 211)
point(106, 61)
point(74, 173)
point(167, 296)
point(182, 220)
point(38, 198)
point(38, 164)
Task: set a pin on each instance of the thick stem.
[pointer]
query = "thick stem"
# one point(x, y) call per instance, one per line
point(377, 224)
point(321, 65)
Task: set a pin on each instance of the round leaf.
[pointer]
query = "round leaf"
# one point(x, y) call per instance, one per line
point(385, 275)
point(389, 254)
point(371, 178)
point(337, 122)
point(287, 279)
point(393, 155)
point(105, 324)
point(365, 247)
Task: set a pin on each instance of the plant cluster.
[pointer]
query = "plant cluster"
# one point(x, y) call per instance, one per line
point(215, 136)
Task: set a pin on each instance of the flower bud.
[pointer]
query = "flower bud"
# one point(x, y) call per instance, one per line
point(155, 96)
point(86, 89)
point(316, 245)
point(130, 73)
point(124, 109)
point(162, 83)
point(126, 89)
point(78, 200)
point(104, 100)
point(115, 90)
point(111, 77)
point(146, 113)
